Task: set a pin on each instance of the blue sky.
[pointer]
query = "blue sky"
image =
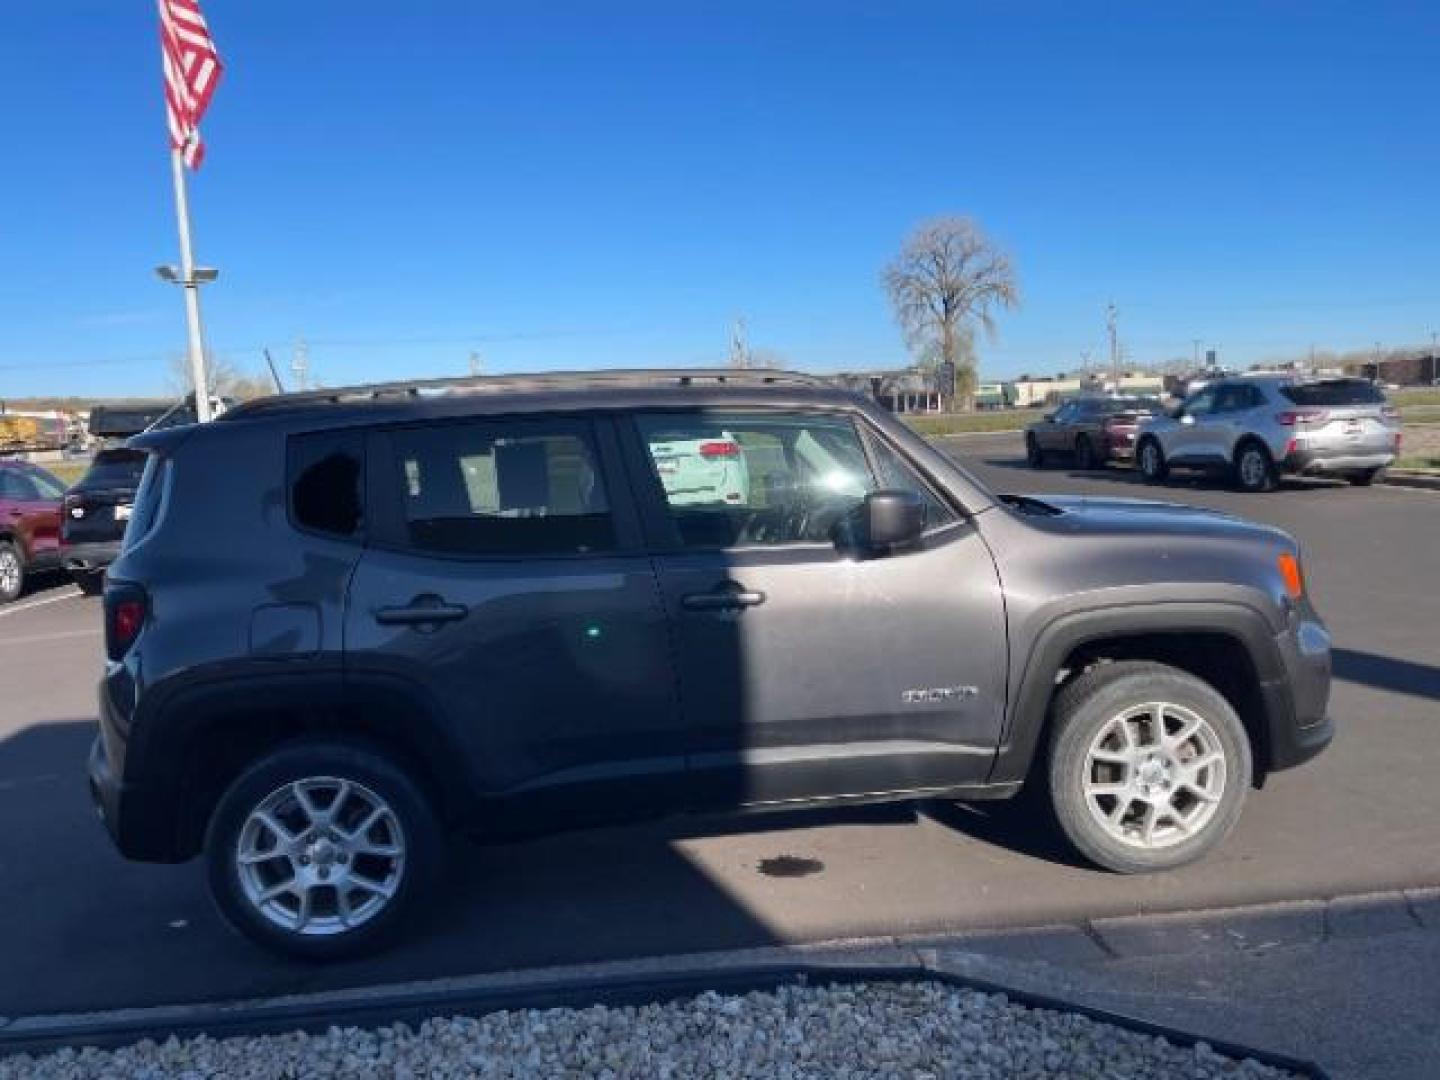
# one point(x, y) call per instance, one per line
point(579, 184)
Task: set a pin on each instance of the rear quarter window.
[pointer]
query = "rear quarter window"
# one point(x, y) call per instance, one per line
point(326, 481)
point(1334, 394)
point(149, 500)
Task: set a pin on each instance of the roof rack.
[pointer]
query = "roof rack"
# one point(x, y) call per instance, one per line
point(476, 384)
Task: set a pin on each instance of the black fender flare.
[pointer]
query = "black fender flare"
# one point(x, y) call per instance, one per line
point(181, 715)
point(1028, 713)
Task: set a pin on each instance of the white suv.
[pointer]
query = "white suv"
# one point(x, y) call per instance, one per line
point(1258, 427)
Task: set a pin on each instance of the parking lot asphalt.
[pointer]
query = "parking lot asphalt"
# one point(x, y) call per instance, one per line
point(83, 929)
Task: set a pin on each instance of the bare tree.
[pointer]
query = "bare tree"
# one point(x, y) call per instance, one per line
point(225, 379)
point(948, 281)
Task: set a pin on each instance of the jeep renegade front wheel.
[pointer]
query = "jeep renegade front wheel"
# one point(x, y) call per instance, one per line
point(1149, 766)
point(320, 849)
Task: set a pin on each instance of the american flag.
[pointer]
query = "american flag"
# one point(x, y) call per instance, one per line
point(192, 68)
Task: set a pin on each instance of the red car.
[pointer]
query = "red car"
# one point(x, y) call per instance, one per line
point(29, 524)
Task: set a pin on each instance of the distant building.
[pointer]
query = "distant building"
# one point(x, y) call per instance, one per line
point(907, 390)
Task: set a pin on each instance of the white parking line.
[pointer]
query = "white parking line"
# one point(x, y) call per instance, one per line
point(68, 594)
point(59, 635)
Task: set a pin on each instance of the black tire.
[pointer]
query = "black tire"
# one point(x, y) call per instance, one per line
point(1150, 459)
point(422, 843)
point(1085, 454)
point(12, 572)
point(89, 582)
point(1034, 456)
point(1254, 469)
point(1365, 477)
point(1089, 705)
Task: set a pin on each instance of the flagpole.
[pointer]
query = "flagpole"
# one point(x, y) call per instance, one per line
point(192, 290)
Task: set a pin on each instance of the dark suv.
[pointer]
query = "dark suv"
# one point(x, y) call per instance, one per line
point(344, 622)
point(95, 513)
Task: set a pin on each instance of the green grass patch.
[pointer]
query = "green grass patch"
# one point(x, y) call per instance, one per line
point(1406, 399)
point(935, 424)
point(1419, 461)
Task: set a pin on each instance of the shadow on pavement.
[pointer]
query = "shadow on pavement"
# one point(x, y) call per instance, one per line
point(1387, 673)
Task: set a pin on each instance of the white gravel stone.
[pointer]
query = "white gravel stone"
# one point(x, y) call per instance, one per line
point(910, 1030)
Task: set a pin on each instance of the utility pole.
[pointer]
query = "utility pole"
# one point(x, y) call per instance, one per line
point(1434, 348)
point(476, 367)
point(1111, 314)
point(1196, 342)
point(739, 347)
point(300, 365)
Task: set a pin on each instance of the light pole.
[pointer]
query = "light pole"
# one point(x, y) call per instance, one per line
point(191, 282)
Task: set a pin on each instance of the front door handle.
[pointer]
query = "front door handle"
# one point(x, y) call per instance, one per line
point(423, 611)
point(729, 597)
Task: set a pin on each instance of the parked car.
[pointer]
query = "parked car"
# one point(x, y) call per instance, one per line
point(95, 512)
point(29, 524)
point(475, 605)
point(1259, 427)
point(1090, 431)
point(700, 471)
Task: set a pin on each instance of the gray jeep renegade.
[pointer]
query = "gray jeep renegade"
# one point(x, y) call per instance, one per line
point(344, 622)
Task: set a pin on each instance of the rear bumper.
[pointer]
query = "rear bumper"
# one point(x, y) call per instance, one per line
point(141, 821)
point(1321, 460)
point(89, 558)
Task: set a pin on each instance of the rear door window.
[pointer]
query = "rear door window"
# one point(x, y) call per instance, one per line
point(1334, 393)
point(503, 488)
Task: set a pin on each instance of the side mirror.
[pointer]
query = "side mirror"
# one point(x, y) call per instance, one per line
point(892, 519)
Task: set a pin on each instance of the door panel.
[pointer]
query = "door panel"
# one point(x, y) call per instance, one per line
point(512, 589)
point(848, 677)
point(807, 669)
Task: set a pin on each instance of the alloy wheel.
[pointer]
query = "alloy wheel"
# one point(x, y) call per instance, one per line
point(320, 856)
point(9, 572)
point(1155, 775)
point(1253, 468)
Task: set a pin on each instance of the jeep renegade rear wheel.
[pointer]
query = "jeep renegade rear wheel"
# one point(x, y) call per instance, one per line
point(321, 849)
point(1148, 766)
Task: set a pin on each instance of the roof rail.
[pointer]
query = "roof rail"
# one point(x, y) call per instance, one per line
point(479, 384)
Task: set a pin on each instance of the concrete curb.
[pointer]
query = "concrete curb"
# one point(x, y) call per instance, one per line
point(992, 961)
point(402, 1005)
point(1412, 478)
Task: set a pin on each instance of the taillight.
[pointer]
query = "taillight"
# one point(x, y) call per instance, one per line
point(719, 449)
point(126, 608)
point(1291, 417)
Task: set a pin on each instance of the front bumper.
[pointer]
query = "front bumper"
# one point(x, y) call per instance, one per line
point(1296, 702)
point(89, 558)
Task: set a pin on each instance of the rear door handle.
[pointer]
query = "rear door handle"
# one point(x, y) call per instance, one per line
point(423, 611)
point(731, 598)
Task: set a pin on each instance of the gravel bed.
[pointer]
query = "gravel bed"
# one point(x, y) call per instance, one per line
point(910, 1030)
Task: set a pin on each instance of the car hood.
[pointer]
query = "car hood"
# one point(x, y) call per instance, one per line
point(1109, 516)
